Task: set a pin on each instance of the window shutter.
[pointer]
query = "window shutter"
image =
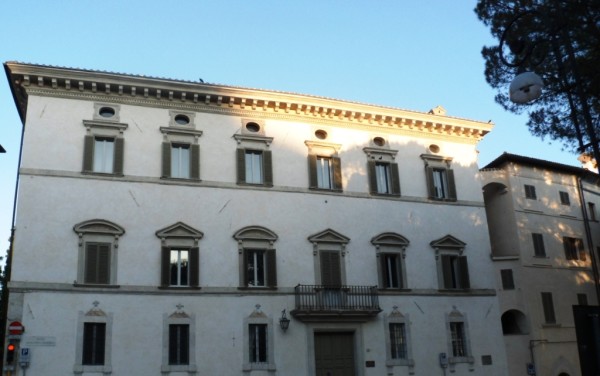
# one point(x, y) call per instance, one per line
point(241, 165)
point(336, 164)
point(166, 159)
point(104, 263)
point(267, 167)
point(451, 185)
point(88, 153)
point(385, 280)
point(195, 162)
point(244, 281)
point(372, 177)
point(173, 343)
point(395, 179)
point(91, 251)
point(429, 181)
point(165, 270)
point(312, 171)
point(330, 268)
point(463, 272)
point(568, 248)
point(119, 155)
point(447, 271)
point(271, 268)
point(548, 306)
point(195, 267)
point(579, 244)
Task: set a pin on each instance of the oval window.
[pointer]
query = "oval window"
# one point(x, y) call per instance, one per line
point(253, 127)
point(434, 148)
point(182, 119)
point(379, 141)
point(321, 134)
point(106, 112)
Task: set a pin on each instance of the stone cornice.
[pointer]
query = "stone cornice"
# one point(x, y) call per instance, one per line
point(26, 79)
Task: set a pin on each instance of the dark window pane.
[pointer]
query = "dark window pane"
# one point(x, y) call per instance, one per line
point(94, 336)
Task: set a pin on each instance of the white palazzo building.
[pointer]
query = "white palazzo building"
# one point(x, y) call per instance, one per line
point(163, 226)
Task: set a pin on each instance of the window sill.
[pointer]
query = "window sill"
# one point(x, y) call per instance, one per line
point(461, 359)
point(551, 325)
point(258, 288)
point(258, 366)
point(180, 179)
point(391, 290)
point(96, 285)
point(326, 189)
point(186, 288)
point(400, 362)
point(189, 368)
point(111, 174)
point(255, 184)
point(104, 369)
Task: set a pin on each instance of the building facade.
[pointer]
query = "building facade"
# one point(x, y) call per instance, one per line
point(170, 228)
point(544, 229)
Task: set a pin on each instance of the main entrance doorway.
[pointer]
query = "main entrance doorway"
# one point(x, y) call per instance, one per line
point(334, 354)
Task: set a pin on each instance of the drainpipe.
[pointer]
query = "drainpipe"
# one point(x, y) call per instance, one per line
point(588, 235)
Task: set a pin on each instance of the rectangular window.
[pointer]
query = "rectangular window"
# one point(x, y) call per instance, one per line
point(94, 339)
point(398, 346)
point(573, 248)
point(179, 344)
point(383, 177)
point(324, 173)
point(180, 161)
point(457, 332)
point(592, 211)
point(539, 250)
point(258, 343)
point(179, 267)
point(97, 263)
point(391, 270)
point(255, 268)
point(564, 198)
point(508, 282)
point(440, 183)
point(104, 151)
point(582, 299)
point(455, 272)
point(548, 306)
point(530, 192)
point(254, 167)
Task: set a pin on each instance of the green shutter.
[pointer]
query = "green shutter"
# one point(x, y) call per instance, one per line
point(267, 167)
point(312, 171)
point(194, 267)
point(119, 156)
point(91, 251)
point(451, 185)
point(271, 268)
point(166, 159)
point(241, 166)
point(88, 153)
point(165, 270)
point(330, 268)
point(463, 270)
point(371, 170)
point(429, 180)
point(336, 164)
point(244, 281)
point(395, 179)
point(385, 281)
point(195, 162)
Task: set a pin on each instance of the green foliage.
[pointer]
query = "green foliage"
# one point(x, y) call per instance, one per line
point(560, 41)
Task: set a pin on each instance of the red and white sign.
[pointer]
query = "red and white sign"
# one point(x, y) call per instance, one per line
point(16, 328)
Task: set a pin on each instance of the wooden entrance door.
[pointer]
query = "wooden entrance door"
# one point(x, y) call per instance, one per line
point(334, 354)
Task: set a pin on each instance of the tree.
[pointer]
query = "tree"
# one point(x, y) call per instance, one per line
point(560, 41)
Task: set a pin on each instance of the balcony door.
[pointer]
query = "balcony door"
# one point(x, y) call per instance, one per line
point(334, 354)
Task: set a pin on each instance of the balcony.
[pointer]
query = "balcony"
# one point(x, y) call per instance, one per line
point(316, 303)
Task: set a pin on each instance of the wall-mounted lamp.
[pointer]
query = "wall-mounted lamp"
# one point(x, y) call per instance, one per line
point(284, 322)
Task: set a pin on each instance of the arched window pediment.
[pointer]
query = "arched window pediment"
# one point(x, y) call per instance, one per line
point(390, 239)
point(98, 226)
point(255, 233)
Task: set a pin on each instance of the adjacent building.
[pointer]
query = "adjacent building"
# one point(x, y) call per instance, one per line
point(543, 223)
point(169, 227)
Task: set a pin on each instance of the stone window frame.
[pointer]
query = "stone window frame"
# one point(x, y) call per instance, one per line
point(439, 163)
point(396, 317)
point(455, 316)
point(179, 317)
point(103, 128)
point(254, 142)
point(320, 149)
point(539, 248)
point(98, 231)
point(173, 124)
point(447, 246)
point(94, 315)
point(329, 241)
point(259, 317)
point(257, 238)
point(100, 105)
point(382, 155)
point(180, 236)
point(176, 134)
point(391, 243)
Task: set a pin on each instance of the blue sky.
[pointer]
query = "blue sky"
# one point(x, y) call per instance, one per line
point(413, 55)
